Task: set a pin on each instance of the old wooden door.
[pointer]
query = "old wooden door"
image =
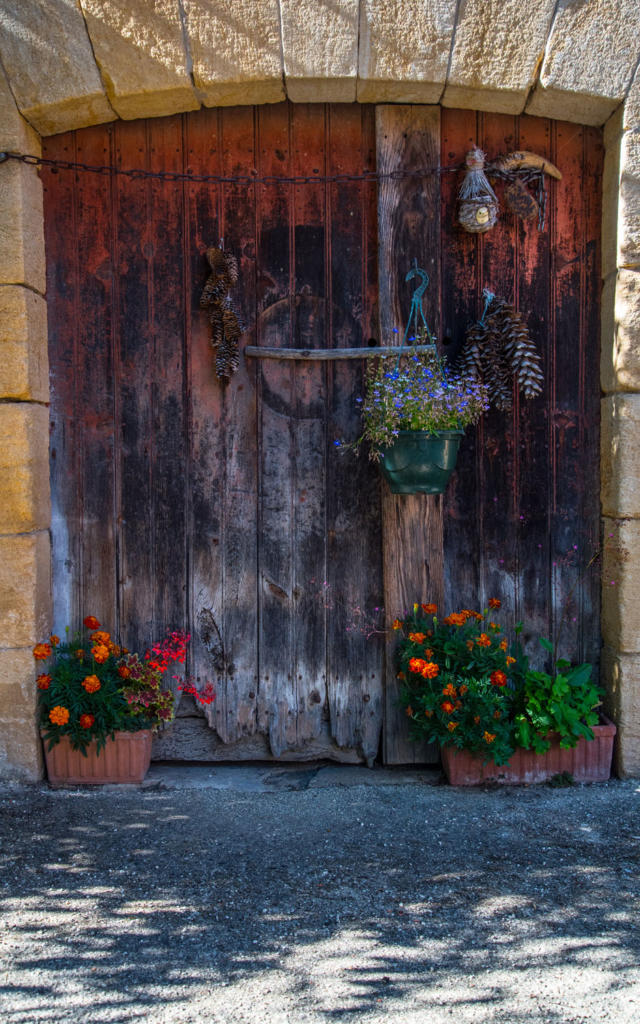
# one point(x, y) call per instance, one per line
point(178, 501)
point(181, 502)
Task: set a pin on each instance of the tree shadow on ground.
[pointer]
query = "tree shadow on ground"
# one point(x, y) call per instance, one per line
point(412, 903)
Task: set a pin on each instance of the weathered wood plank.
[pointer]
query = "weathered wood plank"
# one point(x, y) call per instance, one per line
point(134, 355)
point(167, 338)
point(461, 296)
point(354, 568)
point(64, 323)
point(208, 442)
point(329, 355)
point(408, 228)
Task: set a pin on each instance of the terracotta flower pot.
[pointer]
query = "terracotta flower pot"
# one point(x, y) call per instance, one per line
point(125, 758)
point(589, 761)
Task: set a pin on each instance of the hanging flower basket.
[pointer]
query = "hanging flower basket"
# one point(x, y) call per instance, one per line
point(420, 462)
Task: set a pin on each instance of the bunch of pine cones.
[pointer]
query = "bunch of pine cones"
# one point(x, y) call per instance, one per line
point(225, 326)
point(498, 350)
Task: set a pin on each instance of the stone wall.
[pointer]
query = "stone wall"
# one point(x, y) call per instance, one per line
point(67, 64)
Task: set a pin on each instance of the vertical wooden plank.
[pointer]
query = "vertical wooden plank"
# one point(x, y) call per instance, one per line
point(236, 714)
point(168, 315)
point(355, 653)
point(566, 379)
point(273, 327)
point(96, 390)
point(135, 362)
point(533, 604)
point(589, 537)
point(207, 436)
point(408, 227)
point(461, 296)
point(63, 329)
point(497, 433)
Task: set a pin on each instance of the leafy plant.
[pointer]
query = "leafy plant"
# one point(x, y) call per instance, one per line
point(415, 391)
point(466, 685)
point(90, 687)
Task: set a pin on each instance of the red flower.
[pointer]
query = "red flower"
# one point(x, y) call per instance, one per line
point(86, 721)
point(498, 678)
point(429, 609)
point(42, 651)
point(494, 602)
point(447, 707)
point(43, 681)
point(91, 622)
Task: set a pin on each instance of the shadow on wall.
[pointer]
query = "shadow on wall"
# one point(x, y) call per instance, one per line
point(326, 905)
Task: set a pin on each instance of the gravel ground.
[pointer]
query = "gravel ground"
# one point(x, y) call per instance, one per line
point(308, 896)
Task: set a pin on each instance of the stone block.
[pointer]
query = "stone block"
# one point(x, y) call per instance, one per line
point(403, 58)
point(46, 53)
point(496, 53)
point(25, 588)
point(24, 369)
point(631, 111)
point(18, 693)
point(24, 467)
point(16, 135)
point(620, 676)
point(236, 51)
point(611, 193)
point(629, 202)
point(620, 350)
point(21, 227)
point(620, 456)
point(589, 60)
point(320, 50)
point(20, 750)
point(621, 584)
point(139, 48)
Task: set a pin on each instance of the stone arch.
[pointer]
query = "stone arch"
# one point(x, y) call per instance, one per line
point(68, 64)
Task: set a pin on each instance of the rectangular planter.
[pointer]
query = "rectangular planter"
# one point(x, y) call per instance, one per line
point(589, 761)
point(125, 758)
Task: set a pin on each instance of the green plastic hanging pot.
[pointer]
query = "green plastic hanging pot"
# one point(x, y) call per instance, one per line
point(419, 462)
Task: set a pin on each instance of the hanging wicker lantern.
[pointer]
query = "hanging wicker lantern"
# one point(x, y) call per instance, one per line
point(478, 209)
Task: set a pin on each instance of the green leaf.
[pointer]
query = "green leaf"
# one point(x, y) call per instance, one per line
point(548, 646)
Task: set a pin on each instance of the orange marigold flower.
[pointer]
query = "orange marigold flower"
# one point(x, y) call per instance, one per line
point(494, 627)
point(469, 645)
point(91, 622)
point(416, 664)
point(428, 653)
point(87, 720)
point(483, 640)
point(447, 707)
point(416, 638)
point(497, 715)
point(489, 737)
point(43, 681)
point(503, 645)
point(455, 619)
point(114, 649)
point(59, 715)
point(409, 711)
point(450, 690)
point(477, 616)
point(498, 678)
point(510, 660)
point(100, 653)
point(42, 651)
point(54, 640)
point(79, 654)
point(429, 609)
point(476, 719)
point(400, 675)
point(428, 713)
point(91, 684)
point(397, 624)
point(494, 602)
point(452, 725)
point(100, 637)
point(430, 670)
point(463, 689)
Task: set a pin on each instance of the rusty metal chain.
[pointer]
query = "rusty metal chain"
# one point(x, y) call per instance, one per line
point(222, 179)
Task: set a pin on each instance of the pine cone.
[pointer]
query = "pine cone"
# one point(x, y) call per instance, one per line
point(522, 353)
point(470, 359)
